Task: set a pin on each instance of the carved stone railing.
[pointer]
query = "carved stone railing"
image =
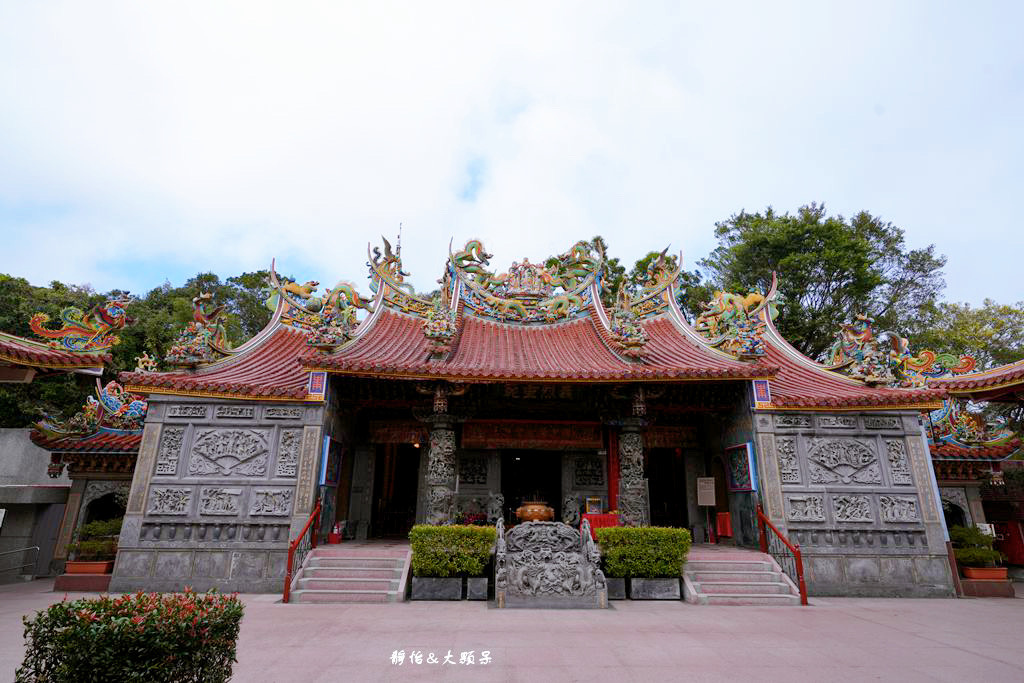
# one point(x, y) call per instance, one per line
point(548, 564)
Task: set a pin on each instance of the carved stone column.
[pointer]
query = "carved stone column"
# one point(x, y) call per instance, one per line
point(440, 470)
point(634, 504)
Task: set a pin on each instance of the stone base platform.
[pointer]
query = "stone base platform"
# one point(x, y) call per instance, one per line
point(987, 588)
point(84, 583)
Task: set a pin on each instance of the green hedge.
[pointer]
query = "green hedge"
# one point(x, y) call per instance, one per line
point(144, 637)
point(973, 548)
point(452, 550)
point(645, 552)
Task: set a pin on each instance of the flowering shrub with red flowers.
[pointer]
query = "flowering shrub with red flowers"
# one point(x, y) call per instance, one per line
point(175, 637)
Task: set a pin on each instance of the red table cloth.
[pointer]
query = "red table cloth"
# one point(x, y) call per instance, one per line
point(602, 520)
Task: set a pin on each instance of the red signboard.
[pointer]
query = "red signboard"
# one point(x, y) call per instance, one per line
point(554, 436)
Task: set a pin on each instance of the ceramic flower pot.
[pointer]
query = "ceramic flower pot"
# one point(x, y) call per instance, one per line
point(989, 573)
point(88, 567)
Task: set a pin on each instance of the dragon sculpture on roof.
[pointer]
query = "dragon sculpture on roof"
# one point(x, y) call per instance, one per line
point(734, 323)
point(82, 331)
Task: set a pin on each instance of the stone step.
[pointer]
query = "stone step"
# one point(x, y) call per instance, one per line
point(335, 596)
point(348, 584)
point(736, 588)
point(749, 599)
point(728, 565)
point(346, 562)
point(738, 576)
point(352, 573)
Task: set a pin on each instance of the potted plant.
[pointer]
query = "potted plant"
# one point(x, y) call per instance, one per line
point(445, 557)
point(650, 558)
point(974, 552)
point(94, 548)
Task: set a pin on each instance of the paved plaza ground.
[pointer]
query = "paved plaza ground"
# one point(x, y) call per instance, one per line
point(836, 639)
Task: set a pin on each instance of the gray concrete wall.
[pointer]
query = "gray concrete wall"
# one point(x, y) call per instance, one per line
point(219, 489)
point(855, 491)
point(33, 502)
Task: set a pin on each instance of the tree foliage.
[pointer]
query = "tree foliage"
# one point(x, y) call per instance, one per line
point(830, 268)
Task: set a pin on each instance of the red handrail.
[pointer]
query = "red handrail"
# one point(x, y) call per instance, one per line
point(314, 522)
point(764, 524)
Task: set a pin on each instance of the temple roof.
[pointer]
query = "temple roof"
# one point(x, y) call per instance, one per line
point(104, 442)
point(1004, 383)
point(394, 346)
point(995, 453)
point(18, 351)
point(533, 324)
point(263, 368)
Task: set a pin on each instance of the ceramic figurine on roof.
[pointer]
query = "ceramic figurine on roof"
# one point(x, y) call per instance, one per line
point(112, 410)
point(145, 363)
point(528, 292)
point(954, 425)
point(660, 272)
point(80, 331)
point(204, 339)
point(885, 359)
point(734, 323)
point(629, 336)
point(335, 327)
point(439, 328)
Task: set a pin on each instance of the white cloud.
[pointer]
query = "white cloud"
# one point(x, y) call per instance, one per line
point(204, 136)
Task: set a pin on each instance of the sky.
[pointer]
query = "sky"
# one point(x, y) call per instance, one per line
point(144, 142)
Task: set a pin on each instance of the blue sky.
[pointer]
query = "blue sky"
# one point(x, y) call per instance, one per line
point(144, 142)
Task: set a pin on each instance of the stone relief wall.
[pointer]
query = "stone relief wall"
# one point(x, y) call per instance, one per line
point(854, 491)
point(217, 492)
point(584, 476)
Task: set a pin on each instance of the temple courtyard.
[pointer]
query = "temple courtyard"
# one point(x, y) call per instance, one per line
point(833, 639)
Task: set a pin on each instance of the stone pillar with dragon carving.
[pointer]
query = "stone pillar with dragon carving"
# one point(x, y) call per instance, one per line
point(634, 503)
point(440, 469)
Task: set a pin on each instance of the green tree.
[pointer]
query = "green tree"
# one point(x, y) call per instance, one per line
point(830, 268)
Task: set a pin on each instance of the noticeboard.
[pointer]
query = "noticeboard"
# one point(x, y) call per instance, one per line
point(706, 491)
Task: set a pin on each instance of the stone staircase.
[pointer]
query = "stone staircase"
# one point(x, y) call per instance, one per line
point(353, 572)
point(736, 576)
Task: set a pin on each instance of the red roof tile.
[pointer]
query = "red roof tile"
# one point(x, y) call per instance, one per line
point(394, 345)
point(1003, 379)
point(267, 369)
point(104, 442)
point(16, 350)
point(952, 452)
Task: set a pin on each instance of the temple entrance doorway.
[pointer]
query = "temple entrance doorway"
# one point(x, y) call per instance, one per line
point(396, 474)
point(531, 475)
point(666, 481)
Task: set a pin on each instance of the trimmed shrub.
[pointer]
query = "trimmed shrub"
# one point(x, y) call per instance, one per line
point(643, 552)
point(973, 548)
point(175, 638)
point(452, 550)
point(96, 540)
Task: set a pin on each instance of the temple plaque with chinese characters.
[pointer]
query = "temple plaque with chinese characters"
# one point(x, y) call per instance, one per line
point(551, 436)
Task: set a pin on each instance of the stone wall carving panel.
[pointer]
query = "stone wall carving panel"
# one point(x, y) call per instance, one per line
point(882, 422)
point(898, 509)
point(189, 411)
point(97, 489)
point(789, 467)
point(792, 420)
point(843, 461)
point(852, 508)
point(170, 451)
point(806, 509)
point(898, 465)
point(169, 501)
point(282, 413)
point(837, 421)
point(219, 501)
point(276, 502)
point(288, 449)
point(227, 452)
point(237, 412)
point(588, 471)
point(472, 470)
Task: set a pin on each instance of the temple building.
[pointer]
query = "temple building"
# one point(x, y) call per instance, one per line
point(397, 408)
